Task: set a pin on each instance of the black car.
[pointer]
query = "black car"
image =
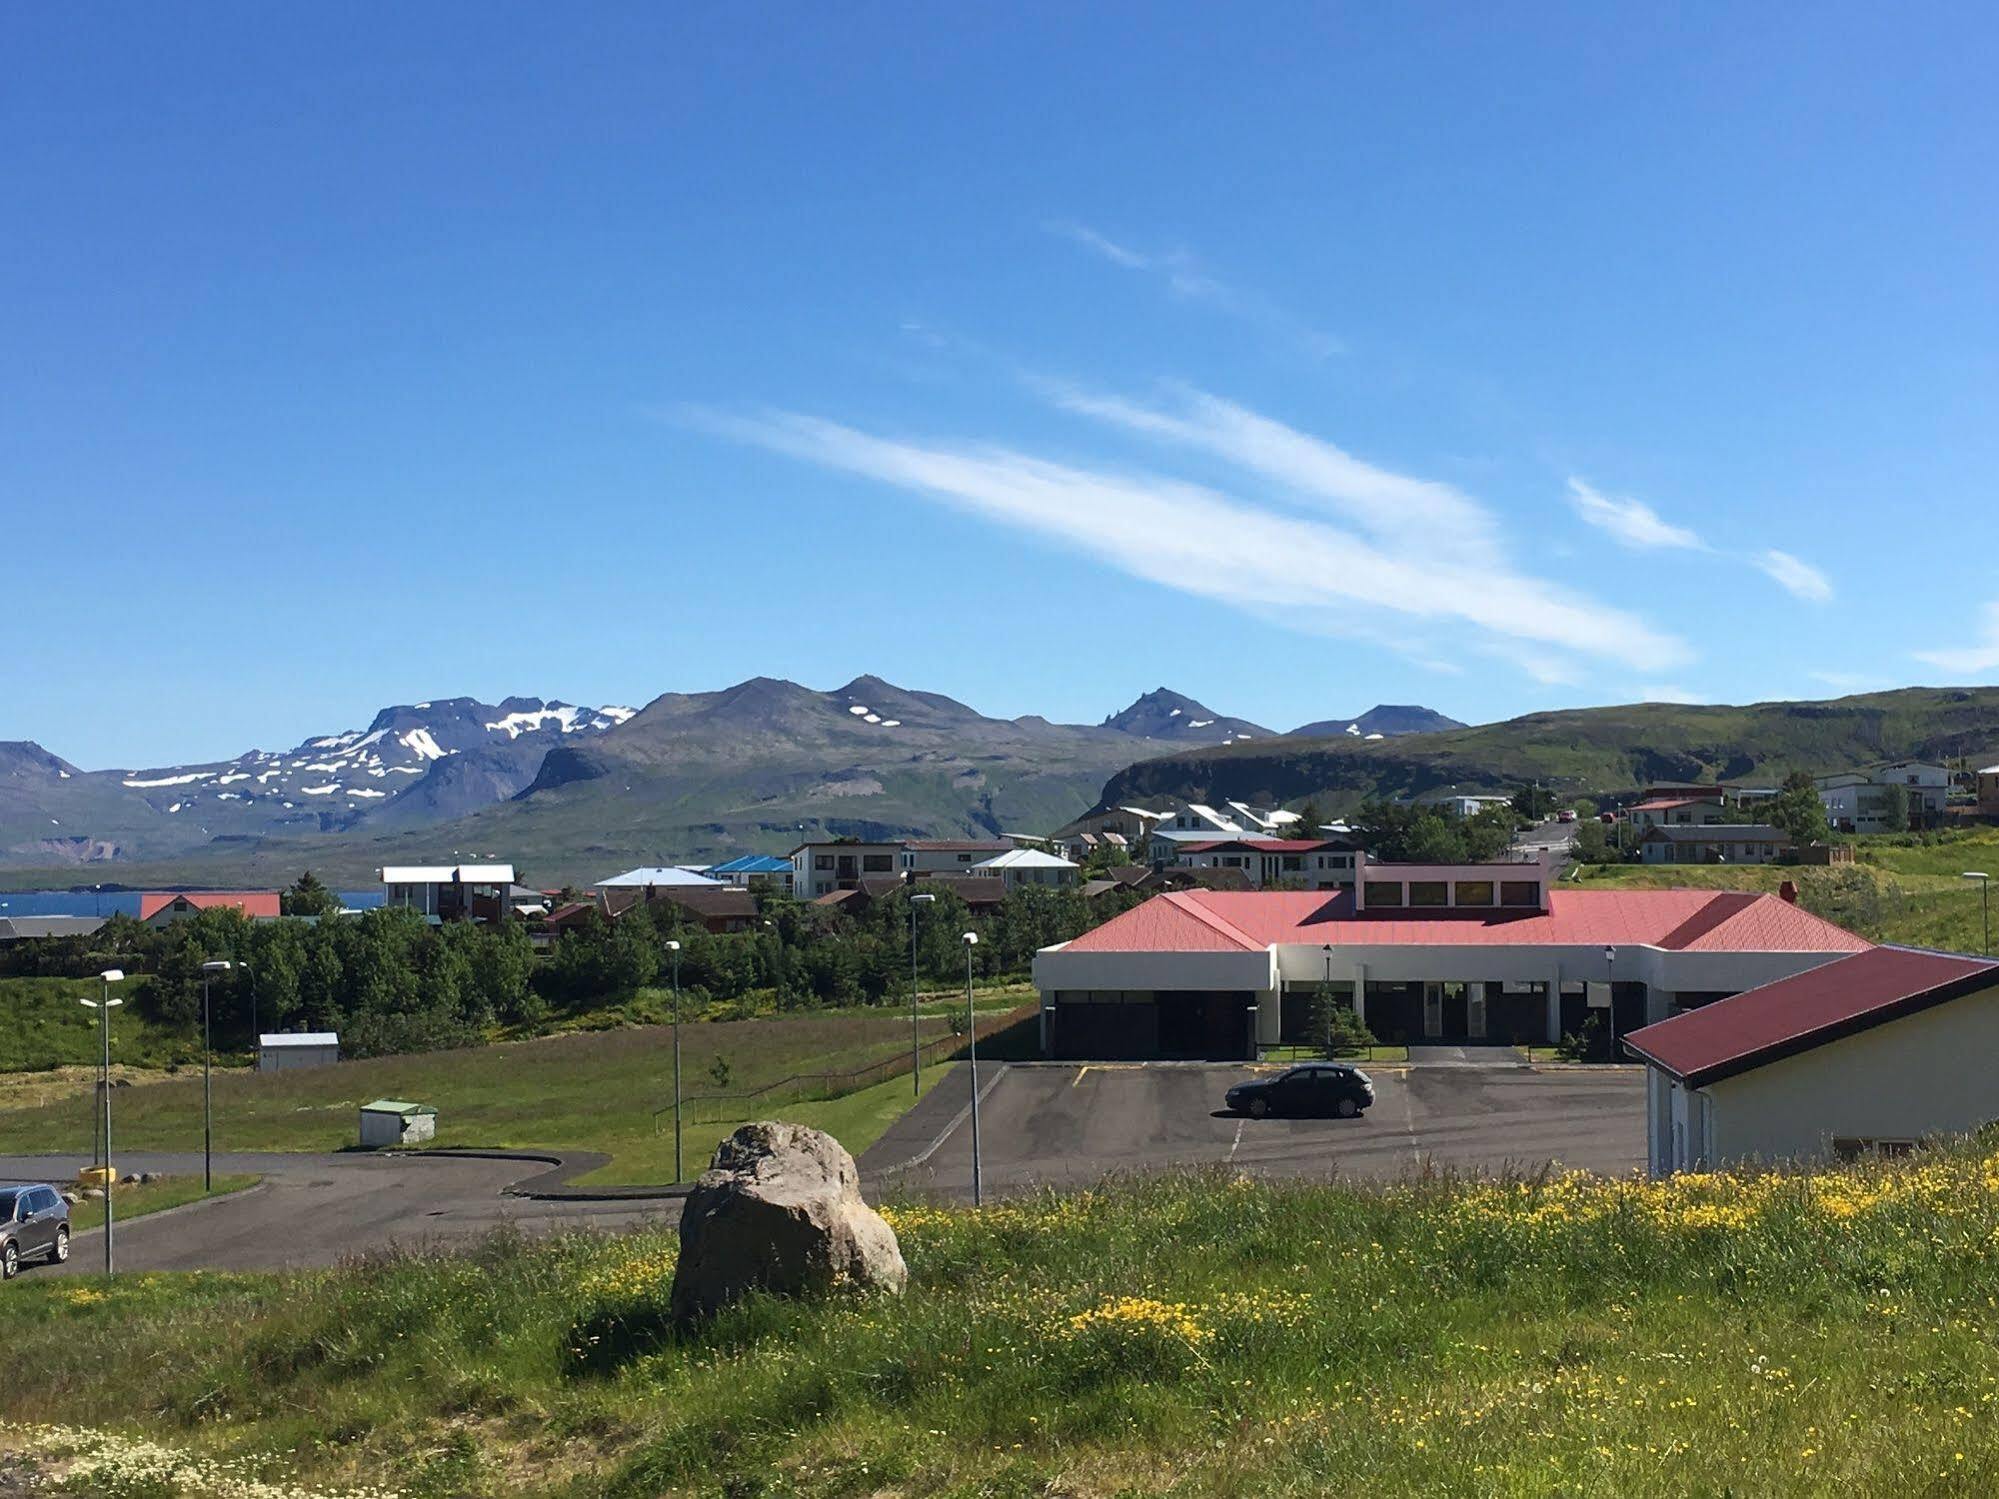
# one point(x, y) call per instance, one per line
point(34, 1224)
point(1315, 1089)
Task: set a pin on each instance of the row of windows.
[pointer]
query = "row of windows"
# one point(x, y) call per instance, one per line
point(1391, 893)
point(870, 863)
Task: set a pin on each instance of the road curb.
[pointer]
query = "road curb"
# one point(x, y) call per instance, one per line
point(262, 1185)
point(552, 1185)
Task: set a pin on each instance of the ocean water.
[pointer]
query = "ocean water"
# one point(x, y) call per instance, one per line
point(88, 902)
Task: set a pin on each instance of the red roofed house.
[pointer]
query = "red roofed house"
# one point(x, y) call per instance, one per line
point(1873, 1052)
point(165, 908)
point(1444, 953)
point(1701, 808)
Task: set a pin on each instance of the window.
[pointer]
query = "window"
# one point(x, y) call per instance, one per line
point(1429, 893)
point(822, 861)
point(1852, 1148)
point(1474, 892)
point(1292, 861)
point(964, 858)
point(1520, 892)
point(1383, 893)
point(876, 863)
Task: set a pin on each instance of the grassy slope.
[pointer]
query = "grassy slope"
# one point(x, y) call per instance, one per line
point(594, 1090)
point(1202, 1336)
point(1588, 750)
point(1911, 893)
point(42, 1025)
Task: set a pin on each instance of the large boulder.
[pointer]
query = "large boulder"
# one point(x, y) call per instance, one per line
point(780, 1210)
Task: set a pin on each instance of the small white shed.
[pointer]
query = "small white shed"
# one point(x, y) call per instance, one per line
point(280, 1052)
point(389, 1121)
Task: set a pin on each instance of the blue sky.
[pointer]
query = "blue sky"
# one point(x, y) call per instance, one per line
point(1496, 358)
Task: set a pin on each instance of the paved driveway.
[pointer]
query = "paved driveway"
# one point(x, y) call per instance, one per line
point(1070, 1125)
point(318, 1209)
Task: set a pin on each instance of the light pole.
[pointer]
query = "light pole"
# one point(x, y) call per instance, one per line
point(1985, 888)
point(1610, 990)
point(915, 1029)
point(104, 1008)
point(208, 972)
point(971, 940)
point(673, 948)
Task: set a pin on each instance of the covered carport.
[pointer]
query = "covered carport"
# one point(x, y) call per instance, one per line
point(1172, 1005)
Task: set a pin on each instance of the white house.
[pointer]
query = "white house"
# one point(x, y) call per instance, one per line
point(1028, 866)
point(1685, 809)
point(1874, 1052)
point(1862, 801)
point(821, 868)
point(287, 1051)
point(1446, 953)
point(451, 892)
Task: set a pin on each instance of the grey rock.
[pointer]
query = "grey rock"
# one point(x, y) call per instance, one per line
point(780, 1210)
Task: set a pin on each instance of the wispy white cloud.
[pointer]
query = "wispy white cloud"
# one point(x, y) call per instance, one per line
point(1796, 576)
point(1182, 275)
point(1666, 692)
point(1979, 658)
point(1303, 572)
point(1632, 523)
point(1392, 508)
point(1848, 681)
point(1635, 524)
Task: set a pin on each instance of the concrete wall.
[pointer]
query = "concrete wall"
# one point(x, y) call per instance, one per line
point(1929, 1073)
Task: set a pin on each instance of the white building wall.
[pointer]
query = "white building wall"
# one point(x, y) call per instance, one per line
point(1928, 1073)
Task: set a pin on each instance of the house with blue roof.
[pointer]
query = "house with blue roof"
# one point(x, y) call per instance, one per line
point(755, 871)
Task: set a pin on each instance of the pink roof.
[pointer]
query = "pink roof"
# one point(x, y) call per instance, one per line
point(249, 902)
point(1679, 920)
point(1806, 1010)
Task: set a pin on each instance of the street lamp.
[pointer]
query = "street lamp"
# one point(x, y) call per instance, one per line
point(1985, 887)
point(104, 1008)
point(971, 940)
point(1610, 990)
point(915, 1029)
point(678, 1171)
point(208, 972)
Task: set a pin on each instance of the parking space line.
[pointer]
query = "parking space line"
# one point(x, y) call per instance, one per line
point(1237, 1143)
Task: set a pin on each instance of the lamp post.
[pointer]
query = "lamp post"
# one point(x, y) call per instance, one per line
point(1610, 990)
point(971, 940)
point(208, 972)
point(679, 1171)
point(1985, 888)
point(915, 1029)
point(104, 1008)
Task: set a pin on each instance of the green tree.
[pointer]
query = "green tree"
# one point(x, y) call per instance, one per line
point(1799, 810)
point(308, 897)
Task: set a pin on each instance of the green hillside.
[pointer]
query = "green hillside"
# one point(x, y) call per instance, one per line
point(1588, 750)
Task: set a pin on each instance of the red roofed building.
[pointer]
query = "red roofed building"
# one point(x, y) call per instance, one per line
point(1316, 863)
point(167, 907)
point(1465, 953)
point(1875, 1051)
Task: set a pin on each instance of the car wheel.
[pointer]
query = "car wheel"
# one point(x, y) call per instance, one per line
point(1259, 1108)
point(1348, 1109)
point(10, 1262)
point(60, 1253)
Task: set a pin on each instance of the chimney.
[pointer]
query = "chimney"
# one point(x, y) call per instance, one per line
point(1788, 891)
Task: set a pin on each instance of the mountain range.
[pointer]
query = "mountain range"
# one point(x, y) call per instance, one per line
point(690, 775)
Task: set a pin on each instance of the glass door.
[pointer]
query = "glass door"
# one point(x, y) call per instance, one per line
point(1433, 1011)
point(1475, 1012)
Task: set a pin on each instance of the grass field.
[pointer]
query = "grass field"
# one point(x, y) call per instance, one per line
point(1201, 1336)
point(596, 1090)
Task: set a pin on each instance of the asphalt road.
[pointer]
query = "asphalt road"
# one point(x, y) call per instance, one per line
point(1071, 1125)
point(320, 1209)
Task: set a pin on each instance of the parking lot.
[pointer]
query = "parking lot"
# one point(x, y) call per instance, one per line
point(1048, 1124)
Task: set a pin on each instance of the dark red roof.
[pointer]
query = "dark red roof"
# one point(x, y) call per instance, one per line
point(252, 903)
point(1806, 1010)
point(1264, 845)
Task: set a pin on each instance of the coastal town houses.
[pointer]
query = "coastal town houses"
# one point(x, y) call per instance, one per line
point(164, 908)
point(821, 868)
point(1309, 863)
point(452, 892)
point(1716, 843)
point(1891, 798)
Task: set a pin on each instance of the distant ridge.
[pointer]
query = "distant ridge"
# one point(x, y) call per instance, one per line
point(1386, 719)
